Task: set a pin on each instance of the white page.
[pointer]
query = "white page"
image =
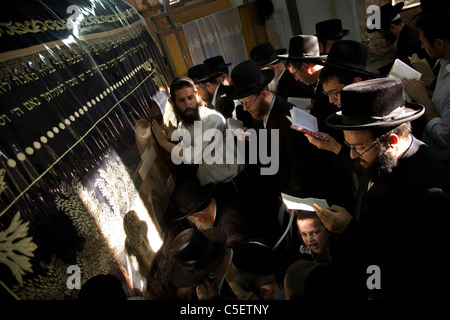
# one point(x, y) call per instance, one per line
point(306, 204)
point(304, 120)
point(300, 103)
point(402, 70)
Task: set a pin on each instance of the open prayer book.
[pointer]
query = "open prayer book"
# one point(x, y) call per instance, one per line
point(305, 122)
point(401, 70)
point(300, 103)
point(237, 127)
point(306, 204)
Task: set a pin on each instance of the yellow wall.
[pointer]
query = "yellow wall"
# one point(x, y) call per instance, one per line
point(252, 30)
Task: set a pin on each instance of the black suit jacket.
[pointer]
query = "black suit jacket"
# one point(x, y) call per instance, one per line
point(408, 43)
point(223, 104)
point(242, 221)
point(400, 225)
point(294, 174)
point(338, 188)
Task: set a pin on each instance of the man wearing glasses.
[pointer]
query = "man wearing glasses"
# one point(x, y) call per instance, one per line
point(295, 174)
point(404, 191)
point(305, 63)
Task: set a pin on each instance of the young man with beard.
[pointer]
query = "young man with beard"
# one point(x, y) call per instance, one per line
point(404, 191)
point(185, 101)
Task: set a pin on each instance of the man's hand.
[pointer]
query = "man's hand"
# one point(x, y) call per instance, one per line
point(335, 218)
point(158, 133)
point(416, 90)
point(331, 144)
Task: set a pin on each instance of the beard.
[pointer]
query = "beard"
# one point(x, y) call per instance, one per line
point(262, 111)
point(383, 164)
point(189, 115)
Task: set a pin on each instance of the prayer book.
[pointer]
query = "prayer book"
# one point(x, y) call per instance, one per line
point(401, 70)
point(305, 122)
point(295, 203)
point(300, 103)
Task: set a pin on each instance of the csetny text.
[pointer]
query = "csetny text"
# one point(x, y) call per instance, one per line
point(228, 309)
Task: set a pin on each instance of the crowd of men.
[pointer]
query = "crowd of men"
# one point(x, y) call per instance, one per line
point(380, 162)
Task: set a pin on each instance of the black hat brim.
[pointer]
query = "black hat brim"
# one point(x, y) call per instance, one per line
point(356, 71)
point(207, 78)
point(204, 200)
point(287, 56)
point(412, 112)
point(338, 36)
point(185, 277)
point(268, 76)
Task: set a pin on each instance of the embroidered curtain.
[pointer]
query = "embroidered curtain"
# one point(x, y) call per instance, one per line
point(214, 35)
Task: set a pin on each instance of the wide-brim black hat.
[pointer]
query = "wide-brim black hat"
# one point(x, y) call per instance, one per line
point(202, 73)
point(248, 78)
point(265, 55)
point(387, 13)
point(303, 47)
point(195, 254)
point(374, 103)
point(216, 63)
point(330, 30)
point(190, 197)
point(350, 56)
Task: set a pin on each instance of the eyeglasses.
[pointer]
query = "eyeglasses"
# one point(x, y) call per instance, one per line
point(351, 147)
point(248, 105)
point(333, 94)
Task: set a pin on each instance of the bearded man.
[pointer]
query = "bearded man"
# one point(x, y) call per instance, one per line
point(185, 102)
point(403, 193)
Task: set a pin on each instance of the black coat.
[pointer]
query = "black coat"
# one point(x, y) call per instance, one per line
point(241, 221)
point(223, 104)
point(408, 43)
point(400, 225)
point(339, 186)
point(294, 174)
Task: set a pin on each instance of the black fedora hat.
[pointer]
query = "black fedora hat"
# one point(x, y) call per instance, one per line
point(330, 30)
point(255, 258)
point(195, 254)
point(303, 47)
point(349, 55)
point(265, 55)
point(248, 79)
point(388, 13)
point(190, 197)
point(374, 103)
point(216, 63)
point(202, 73)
